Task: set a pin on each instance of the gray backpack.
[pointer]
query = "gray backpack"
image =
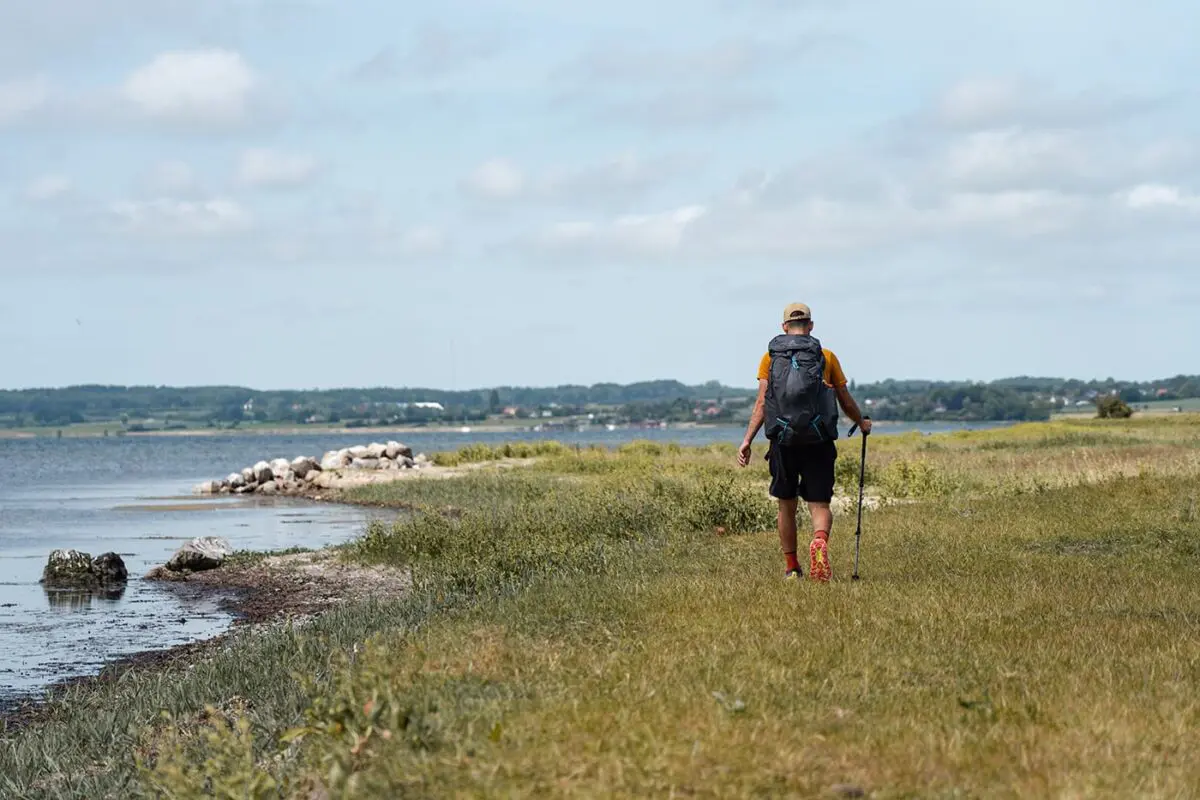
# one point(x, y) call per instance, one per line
point(800, 408)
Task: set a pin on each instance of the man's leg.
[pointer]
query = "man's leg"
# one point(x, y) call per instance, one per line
point(817, 490)
point(784, 487)
point(822, 518)
point(787, 533)
point(819, 568)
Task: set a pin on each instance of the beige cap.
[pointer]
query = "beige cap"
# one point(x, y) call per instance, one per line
point(797, 312)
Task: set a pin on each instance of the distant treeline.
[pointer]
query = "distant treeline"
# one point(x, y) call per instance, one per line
point(1020, 398)
point(1007, 399)
point(226, 404)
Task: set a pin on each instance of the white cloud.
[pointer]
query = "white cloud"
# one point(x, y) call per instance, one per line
point(701, 107)
point(424, 241)
point(200, 88)
point(980, 103)
point(21, 98)
point(732, 58)
point(1148, 196)
point(613, 181)
point(656, 235)
point(172, 179)
point(497, 179)
point(182, 218)
point(1013, 157)
point(47, 188)
point(272, 169)
point(433, 51)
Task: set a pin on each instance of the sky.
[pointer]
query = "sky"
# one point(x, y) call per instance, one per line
point(303, 194)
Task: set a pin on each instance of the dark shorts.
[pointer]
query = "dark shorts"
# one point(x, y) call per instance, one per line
point(805, 471)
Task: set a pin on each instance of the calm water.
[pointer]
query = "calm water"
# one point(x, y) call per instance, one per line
point(116, 494)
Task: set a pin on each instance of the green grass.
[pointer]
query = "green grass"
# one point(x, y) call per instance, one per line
point(1026, 626)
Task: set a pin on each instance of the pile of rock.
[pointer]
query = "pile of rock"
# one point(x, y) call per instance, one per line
point(300, 475)
point(75, 569)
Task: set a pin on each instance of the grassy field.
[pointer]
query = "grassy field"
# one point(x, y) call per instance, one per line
point(615, 624)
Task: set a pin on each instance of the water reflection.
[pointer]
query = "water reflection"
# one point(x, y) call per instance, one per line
point(74, 600)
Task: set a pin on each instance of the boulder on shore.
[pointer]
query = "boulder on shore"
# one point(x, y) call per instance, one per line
point(203, 553)
point(110, 569)
point(262, 472)
point(336, 459)
point(76, 569)
point(395, 451)
point(303, 465)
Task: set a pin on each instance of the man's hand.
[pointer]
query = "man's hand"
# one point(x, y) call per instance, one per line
point(865, 425)
point(744, 454)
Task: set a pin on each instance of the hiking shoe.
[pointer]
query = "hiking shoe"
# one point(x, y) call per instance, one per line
point(818, 558)
point(793, 575)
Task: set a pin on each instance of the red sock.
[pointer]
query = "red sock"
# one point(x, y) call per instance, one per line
point(821, 535)
point(792, 563)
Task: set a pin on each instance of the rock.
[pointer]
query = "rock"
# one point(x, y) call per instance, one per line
point(336, 459)
point(109, 568)
point(235, 480)
point(263, 472)
point(421, 459)
point(268, 489)
point(365, 463)
point(204, 553)
point(376, 450)
point(406, 463)
point(248, 475)
point(76, 569)
point(247, 489)
point(303, 465)
point(396, 450)
point(68, 568)
point(279, 466)
point(292, 487)
point(208, 487)
point(311, 477)
point(161, 573)
point(359, 452)
point(324, 480)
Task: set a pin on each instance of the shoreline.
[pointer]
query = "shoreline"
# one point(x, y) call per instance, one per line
point(271, 589)
point(51, 433)
point(468, 429)
point(258, 590)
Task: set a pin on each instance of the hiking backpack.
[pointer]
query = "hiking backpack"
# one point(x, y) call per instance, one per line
point(800, 408)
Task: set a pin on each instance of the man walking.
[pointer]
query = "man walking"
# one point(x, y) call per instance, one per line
point(800, 386)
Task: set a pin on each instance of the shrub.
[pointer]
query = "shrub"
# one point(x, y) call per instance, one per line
point(1111, 406)
point(915, 479)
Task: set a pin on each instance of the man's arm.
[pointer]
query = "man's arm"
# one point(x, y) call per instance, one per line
point(851, 408)
point(756, 423)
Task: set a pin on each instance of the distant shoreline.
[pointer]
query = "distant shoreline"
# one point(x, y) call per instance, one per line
point(319, 430)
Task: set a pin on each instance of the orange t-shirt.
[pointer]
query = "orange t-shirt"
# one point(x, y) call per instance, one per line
point(833, 369)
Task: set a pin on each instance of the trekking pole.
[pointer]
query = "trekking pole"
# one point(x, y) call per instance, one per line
point(862, 474)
